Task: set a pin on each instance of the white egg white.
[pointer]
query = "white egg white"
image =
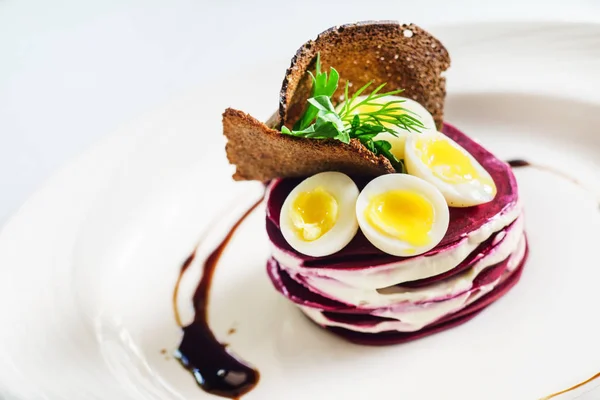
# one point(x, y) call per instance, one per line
point(395, 246)
point(464, 194)
point(345, 191)
point(398, 140)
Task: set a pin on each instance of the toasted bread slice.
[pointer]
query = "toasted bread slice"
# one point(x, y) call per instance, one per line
point(262, 153)
point(403, 56)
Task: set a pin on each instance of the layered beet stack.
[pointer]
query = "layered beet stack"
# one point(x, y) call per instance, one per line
point(371, 297)
point(334, 118)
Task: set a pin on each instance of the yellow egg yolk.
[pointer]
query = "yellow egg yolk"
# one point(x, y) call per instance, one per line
point(313, 213)
point(449, 163)
point(403, 215)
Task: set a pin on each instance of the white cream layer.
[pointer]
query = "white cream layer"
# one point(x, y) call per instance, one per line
point(411, 269)
point(395, 296)
point(417, 316)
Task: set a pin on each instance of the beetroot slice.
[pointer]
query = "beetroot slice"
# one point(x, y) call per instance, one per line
point(485, 277)
point(298, 293)
point(294, 288)
point(462, 220)
point(450, 321)
point(480, 252)
point(389, 338)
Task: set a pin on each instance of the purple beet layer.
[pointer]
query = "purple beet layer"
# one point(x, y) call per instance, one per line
point(481, 251)
point(296, 290)
point(336, 311)
point(450, 321)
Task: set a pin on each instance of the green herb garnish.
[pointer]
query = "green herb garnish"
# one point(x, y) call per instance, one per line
point(328, 124)
point(322, 121)
point(322, 86)
point(382, 113)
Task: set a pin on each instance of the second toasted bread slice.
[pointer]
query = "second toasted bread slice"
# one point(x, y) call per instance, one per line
point(261, 153)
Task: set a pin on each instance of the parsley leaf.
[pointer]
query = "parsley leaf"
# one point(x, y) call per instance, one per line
point(327, 125)
point(322, 86)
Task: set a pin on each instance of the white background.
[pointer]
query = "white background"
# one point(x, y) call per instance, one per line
point(73, 71)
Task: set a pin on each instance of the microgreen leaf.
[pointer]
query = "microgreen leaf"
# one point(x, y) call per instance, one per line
point(322, 85)
point(322, 103)
point(332, 84)
point(384, 147)
point(328, 124)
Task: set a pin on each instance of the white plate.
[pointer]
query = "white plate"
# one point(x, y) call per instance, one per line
point(90, 261)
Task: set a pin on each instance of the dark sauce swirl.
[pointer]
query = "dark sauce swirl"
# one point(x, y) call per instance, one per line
point(216, 370)
point(517, 163)
point(520, 163)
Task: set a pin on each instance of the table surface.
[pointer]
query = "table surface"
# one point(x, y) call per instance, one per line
point(72, 71)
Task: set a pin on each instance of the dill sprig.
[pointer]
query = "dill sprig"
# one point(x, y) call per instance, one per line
point(388, 114)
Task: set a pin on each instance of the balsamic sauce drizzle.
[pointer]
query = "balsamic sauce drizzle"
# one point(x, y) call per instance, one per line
point(516, 163)
point(520, 163)
point(215, 369)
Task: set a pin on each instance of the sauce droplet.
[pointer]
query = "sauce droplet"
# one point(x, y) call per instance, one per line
point(216, 370)
point(516, 163)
